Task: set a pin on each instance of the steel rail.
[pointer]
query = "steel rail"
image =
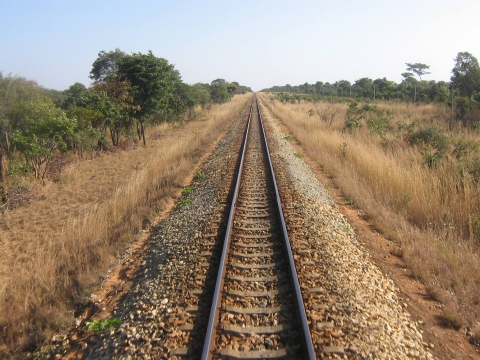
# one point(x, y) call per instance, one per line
point(209, 343)
point(215, 309)
point(307, 338)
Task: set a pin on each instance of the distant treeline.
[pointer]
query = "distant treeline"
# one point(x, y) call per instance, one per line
point(127, 92)
point(463, 88)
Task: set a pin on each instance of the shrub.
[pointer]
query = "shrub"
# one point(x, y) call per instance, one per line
point(434, 144)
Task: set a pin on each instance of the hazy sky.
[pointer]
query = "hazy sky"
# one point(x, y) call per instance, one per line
point(257, 43)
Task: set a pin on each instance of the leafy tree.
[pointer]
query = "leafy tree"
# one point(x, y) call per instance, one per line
point(364, 87)
point(120, 95)
point(106, 65)
point(153, 80)
point(182, 100)
point(407, 76)
point(318, 87)
point(218, 81)
point(466, 74)
point(418, 68)
point(58, 97)
point(73, 94)
point(438, 91)
point(111, 113)
point(241, 89)
point(219, 93)
point(14, 93)
point(201, 94)
point(87, 133)
point(343, 88)
point(231, 89)
point(46, 129)
point(385, 89)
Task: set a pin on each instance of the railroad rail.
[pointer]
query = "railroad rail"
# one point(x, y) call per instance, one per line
point(257, 308)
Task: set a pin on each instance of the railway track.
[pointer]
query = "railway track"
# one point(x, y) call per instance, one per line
point(257, 309)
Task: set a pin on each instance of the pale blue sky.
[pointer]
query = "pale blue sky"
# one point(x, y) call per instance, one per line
point(257, 43)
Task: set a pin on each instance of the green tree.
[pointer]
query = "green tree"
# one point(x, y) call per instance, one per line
point(153, 80)
point(343, 88)
point(231, 89)
point(46, 129)
point(364, 88)
point(120, 95)
point(111, 113)
point(385, 89)
point(58, 97)
point(88, 132)
point(219, 92)
point(466, 74)
point(181, 101)
point(219, 81)
point(418, 68)
point(73, 94)
point(106, 65)
point(15, 92)
point(407, 76)
point(201, 94)
point(106, 76)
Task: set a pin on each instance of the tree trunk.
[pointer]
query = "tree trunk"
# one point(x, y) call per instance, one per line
point(2, 167)
point(112, 136)
point(139, 131)
point(7, 142)
point(142, 125)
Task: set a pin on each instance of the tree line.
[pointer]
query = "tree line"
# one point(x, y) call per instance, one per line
point(462, 92)
point(128, 91)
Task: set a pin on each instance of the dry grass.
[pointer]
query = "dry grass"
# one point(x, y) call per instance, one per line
point(55, 250)
point(429, 212)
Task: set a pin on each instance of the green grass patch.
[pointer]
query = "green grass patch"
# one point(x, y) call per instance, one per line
point(106, 324)
point(289, 138)
point(188, 189)
point(199, 176)
point(183, 203)
point(299, 155)
point(348, 202)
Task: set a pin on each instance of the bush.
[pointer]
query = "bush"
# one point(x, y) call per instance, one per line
point(434, 143)
point(352, 124)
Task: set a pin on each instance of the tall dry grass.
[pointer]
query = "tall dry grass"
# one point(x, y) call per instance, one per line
point(55, 249)
point(432, 213)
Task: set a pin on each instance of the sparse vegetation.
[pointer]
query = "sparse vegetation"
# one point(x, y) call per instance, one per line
point(198, 176)
point(101, 325)
point(183, 202)
point(299, 155)
point(414, 172)
point(188, 189)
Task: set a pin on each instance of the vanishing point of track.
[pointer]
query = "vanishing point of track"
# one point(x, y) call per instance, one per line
point(257, 298)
